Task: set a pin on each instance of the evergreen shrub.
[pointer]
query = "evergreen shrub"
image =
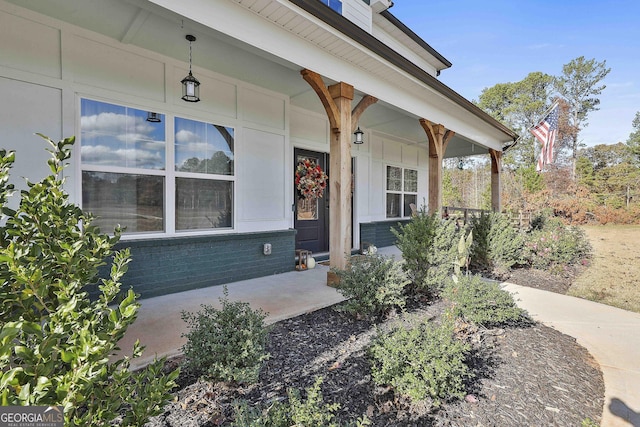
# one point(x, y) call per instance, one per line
point(423, 362)
point(428, 245)
point(57, 345)
point(497, 245)
point(296, 411)
point(227, 343)
point(373, 285)
point(482, 302)
point(553, 246)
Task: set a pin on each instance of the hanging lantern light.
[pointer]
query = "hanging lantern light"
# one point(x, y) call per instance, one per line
point(190, 85)
point(358, 133)
point(153, 117)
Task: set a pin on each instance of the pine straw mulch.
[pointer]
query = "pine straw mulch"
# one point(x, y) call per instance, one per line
point(526, 375)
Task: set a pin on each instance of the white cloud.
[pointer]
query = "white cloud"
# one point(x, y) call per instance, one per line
point(116, 124)
point(105, 156)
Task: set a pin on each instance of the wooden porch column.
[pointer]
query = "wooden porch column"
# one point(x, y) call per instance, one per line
point(340, 178)
point(496, 167)
point(439, 138)
point(336, 100)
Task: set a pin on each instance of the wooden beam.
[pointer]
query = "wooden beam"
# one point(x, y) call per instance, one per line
point(496, 187)
point(317, 84)
point(439, 138)
point(364, 103)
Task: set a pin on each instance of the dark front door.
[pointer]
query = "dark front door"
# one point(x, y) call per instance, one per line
point(311, 217)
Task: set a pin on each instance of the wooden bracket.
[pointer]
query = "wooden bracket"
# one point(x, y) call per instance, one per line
point(315, 81)
point(364, 103)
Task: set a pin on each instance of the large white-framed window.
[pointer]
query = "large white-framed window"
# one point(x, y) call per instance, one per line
point(204, 167)
point(155, 173)
point(401, 191)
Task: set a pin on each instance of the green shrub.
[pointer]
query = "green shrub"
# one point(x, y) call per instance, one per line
point(428, 245)
point(226, 344)
point(553, 246)
point(497, 245)
point(372, 284)
point(482, 302)
point(56, 343)
point(422, 362)
point(309, 412)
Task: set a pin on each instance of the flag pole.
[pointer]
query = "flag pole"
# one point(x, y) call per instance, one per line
point(544, 115)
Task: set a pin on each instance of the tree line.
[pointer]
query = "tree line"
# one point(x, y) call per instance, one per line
point(583, 184)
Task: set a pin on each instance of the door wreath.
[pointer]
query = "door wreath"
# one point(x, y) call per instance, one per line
point(310, 179)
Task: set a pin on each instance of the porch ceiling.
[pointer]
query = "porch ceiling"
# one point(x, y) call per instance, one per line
point(149, 26)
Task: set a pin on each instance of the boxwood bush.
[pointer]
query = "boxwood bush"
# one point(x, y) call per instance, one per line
point(372, 284)
point(226, 343)
point(422, 362)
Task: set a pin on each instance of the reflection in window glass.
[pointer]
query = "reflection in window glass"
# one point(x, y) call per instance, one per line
point(203, 204)
point(113, 135)
point(307, 209)
point(334, 4)
point(393, 205)
point(411, 180)
point(203, 147)
point(132, 201)
point(408, 200)
point(394, 178)
point(402, 189)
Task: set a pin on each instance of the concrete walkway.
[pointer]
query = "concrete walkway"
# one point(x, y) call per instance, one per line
point(611, 335)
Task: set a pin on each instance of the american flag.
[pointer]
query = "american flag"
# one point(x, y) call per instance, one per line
point(546, 132)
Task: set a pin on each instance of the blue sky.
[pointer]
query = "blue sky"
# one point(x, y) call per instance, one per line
point(499, 41)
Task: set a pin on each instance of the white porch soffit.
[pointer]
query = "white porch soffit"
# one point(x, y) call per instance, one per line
point(317, 24)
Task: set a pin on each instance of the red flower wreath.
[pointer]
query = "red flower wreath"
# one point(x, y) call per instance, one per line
point(310, 179)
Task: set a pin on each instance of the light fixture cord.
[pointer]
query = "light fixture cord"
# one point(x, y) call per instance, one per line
point(189, 57)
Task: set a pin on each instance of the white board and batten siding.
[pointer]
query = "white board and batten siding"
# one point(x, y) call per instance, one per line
point(46, 67)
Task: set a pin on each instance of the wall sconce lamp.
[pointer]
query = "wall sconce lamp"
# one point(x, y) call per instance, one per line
point(153, 117)
point(190, 85)
point(358, 133)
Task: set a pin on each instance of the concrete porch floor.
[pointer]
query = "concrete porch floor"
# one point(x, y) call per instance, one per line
point(159, 325)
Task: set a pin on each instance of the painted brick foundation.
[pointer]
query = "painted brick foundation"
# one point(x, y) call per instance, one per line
point(164, 266)
point(379, 233)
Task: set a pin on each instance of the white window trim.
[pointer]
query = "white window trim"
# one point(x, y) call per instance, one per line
point(402, 192)
point(169, 173)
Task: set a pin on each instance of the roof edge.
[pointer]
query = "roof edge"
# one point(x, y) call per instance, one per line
point(416, 38)
point(354, 32)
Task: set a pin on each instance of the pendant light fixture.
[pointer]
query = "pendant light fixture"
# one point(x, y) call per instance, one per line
point(153, 117)
point(190, 85)
point(358, 133)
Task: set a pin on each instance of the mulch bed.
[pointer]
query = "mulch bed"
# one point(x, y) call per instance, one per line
point(528, 375)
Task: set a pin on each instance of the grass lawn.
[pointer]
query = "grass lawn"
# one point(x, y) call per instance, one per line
point(614, 275)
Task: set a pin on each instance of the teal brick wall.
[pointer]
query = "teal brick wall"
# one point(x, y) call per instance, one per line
point(379, 233)
point(164, 266)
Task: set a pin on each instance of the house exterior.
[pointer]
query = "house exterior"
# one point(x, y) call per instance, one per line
point(206, 189)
